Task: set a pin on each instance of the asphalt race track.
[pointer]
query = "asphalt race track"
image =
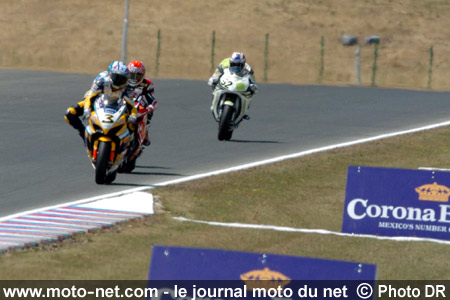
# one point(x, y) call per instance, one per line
point(43, 161)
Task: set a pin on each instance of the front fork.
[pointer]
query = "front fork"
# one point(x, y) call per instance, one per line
point(218, 103)
point(95, 150)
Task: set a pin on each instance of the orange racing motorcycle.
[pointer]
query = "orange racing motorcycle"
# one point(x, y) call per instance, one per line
point(108, 138)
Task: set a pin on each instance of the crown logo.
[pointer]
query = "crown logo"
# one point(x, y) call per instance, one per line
point(264, 279)
point(433, 192)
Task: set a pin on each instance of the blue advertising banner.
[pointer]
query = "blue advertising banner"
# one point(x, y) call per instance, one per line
point(397, 202)
point(190, 273)
point(178, 263)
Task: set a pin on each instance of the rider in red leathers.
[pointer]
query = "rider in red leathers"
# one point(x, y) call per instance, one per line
point(141, 88)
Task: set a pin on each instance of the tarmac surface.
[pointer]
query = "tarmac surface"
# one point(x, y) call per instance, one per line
point(43, 161)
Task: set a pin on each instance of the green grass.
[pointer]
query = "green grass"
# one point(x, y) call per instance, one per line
point(307, 192)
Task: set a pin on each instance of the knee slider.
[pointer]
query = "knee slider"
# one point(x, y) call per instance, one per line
point(68, 116)
point(71, 111)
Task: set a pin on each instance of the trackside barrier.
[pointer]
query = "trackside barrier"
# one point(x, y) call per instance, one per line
point(349, 40)
point(321, 63)
point(430, 69)
point(266, 57)
point(213, 44)
point(158, 53)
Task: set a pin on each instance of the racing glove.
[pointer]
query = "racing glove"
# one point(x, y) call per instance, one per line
point(152, 107)
point(86, 113)
point(253, 88)
point(212, 82)
point(132, 119)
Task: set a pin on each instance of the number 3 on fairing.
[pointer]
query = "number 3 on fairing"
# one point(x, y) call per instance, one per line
point(108, 119)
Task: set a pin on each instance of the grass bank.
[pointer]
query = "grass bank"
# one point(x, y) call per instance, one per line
point(307, 192)
point(84, 36)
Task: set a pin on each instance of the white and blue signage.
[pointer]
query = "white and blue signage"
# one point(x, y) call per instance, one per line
point(397, 202)
point(224, 274)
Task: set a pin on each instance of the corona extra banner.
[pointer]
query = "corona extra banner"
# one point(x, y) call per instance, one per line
point(223, 274)
point(210, 264)
point(397, 202)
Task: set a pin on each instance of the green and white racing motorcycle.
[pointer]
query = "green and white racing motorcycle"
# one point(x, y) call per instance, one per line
point(231, 101)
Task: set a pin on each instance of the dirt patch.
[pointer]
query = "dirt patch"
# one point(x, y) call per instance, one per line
point(85, 36)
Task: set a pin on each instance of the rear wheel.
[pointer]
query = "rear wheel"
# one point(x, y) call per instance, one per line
point(130, 165)
point(225, 129)
point(103, 152)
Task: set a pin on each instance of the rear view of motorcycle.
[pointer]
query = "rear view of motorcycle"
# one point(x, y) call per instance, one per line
point(231, 102)
point(107, 138)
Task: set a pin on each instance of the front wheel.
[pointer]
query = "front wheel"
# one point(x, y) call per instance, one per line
point(225, 127)
point(111, 177)
point(101, 166)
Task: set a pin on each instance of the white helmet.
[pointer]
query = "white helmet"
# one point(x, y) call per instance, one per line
point(237, 62)
point(118, 72)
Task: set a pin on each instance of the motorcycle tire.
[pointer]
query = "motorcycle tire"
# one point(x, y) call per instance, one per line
point(228, 135)
point(104, 150)
point(225, 130)
point(129, 166)
point(111, 177)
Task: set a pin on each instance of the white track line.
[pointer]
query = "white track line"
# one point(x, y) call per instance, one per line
point(303, 153)
point(316, 231)
point(232, 169)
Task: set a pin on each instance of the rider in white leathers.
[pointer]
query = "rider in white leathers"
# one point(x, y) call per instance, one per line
point(238, 65)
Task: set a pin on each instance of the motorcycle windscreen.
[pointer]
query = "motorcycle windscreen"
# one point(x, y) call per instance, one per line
point(236, 70)
point(111, 100)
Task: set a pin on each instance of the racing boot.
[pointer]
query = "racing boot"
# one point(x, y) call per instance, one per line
point(73, 120)
point(81, 133)
point(146, 141)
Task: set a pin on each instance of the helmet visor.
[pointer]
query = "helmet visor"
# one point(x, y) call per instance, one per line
point(118, 80)
point(136, 76)
point(236, 69)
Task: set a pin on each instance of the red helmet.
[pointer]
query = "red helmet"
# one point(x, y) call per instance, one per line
point(136, 72)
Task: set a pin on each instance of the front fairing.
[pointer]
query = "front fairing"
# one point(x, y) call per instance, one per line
point(108, 120)
point(232, 90)
point(109, 115)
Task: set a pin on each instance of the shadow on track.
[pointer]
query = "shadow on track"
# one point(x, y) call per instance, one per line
point(153, 167)
point(126, 184)
point(260, 142)
point(155, 173)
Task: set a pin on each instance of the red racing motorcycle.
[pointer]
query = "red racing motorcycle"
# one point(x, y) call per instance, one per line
point(140, 133)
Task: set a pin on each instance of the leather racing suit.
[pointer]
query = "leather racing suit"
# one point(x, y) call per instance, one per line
point(101, 84)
